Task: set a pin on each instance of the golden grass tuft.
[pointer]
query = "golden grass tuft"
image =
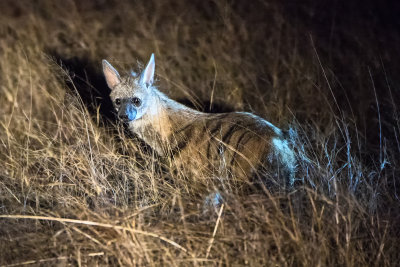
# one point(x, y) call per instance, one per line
point(76, 188)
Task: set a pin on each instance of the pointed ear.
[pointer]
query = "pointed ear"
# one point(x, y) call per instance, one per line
point(147, 76)
point(111, 74)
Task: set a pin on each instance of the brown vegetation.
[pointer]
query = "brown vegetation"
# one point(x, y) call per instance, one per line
point(76, 189)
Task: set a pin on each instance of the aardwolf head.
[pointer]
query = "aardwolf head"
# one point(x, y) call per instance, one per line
point(130, 95)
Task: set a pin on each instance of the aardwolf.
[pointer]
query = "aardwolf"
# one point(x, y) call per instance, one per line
point(239, 143)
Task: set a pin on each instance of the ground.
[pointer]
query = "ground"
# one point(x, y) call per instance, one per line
point(76, 188)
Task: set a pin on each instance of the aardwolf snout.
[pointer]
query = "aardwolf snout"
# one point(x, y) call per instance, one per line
point(127, 113)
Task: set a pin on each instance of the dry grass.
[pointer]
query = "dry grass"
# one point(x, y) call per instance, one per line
point(75, 188)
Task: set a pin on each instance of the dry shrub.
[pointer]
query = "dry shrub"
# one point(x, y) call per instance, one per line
point(76, 188)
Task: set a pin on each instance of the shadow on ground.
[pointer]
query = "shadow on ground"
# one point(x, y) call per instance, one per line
point(87, 81)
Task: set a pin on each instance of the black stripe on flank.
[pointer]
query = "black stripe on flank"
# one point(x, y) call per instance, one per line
point(179, 147)
point(237, 146)
point(220, 123)
point(208, 149)
point(228, 135)
point(218, 120)
point(210, 145)
point(211, 134)
point(182, 136)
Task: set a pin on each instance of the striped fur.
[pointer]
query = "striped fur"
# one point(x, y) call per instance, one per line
point(237, 144)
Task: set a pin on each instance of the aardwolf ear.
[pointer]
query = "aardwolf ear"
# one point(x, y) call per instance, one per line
point(147, 76)
point(111, 74)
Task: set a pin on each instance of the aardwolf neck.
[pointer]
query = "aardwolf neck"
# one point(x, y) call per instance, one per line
point(163, 118)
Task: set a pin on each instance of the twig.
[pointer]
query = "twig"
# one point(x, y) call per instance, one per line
point(211, 241)
point(105, 225)
point(61, 258)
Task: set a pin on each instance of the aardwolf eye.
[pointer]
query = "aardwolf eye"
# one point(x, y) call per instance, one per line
point(117, 101)
point(136, 101)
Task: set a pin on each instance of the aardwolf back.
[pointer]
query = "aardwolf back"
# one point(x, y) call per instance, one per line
point(236, 144)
